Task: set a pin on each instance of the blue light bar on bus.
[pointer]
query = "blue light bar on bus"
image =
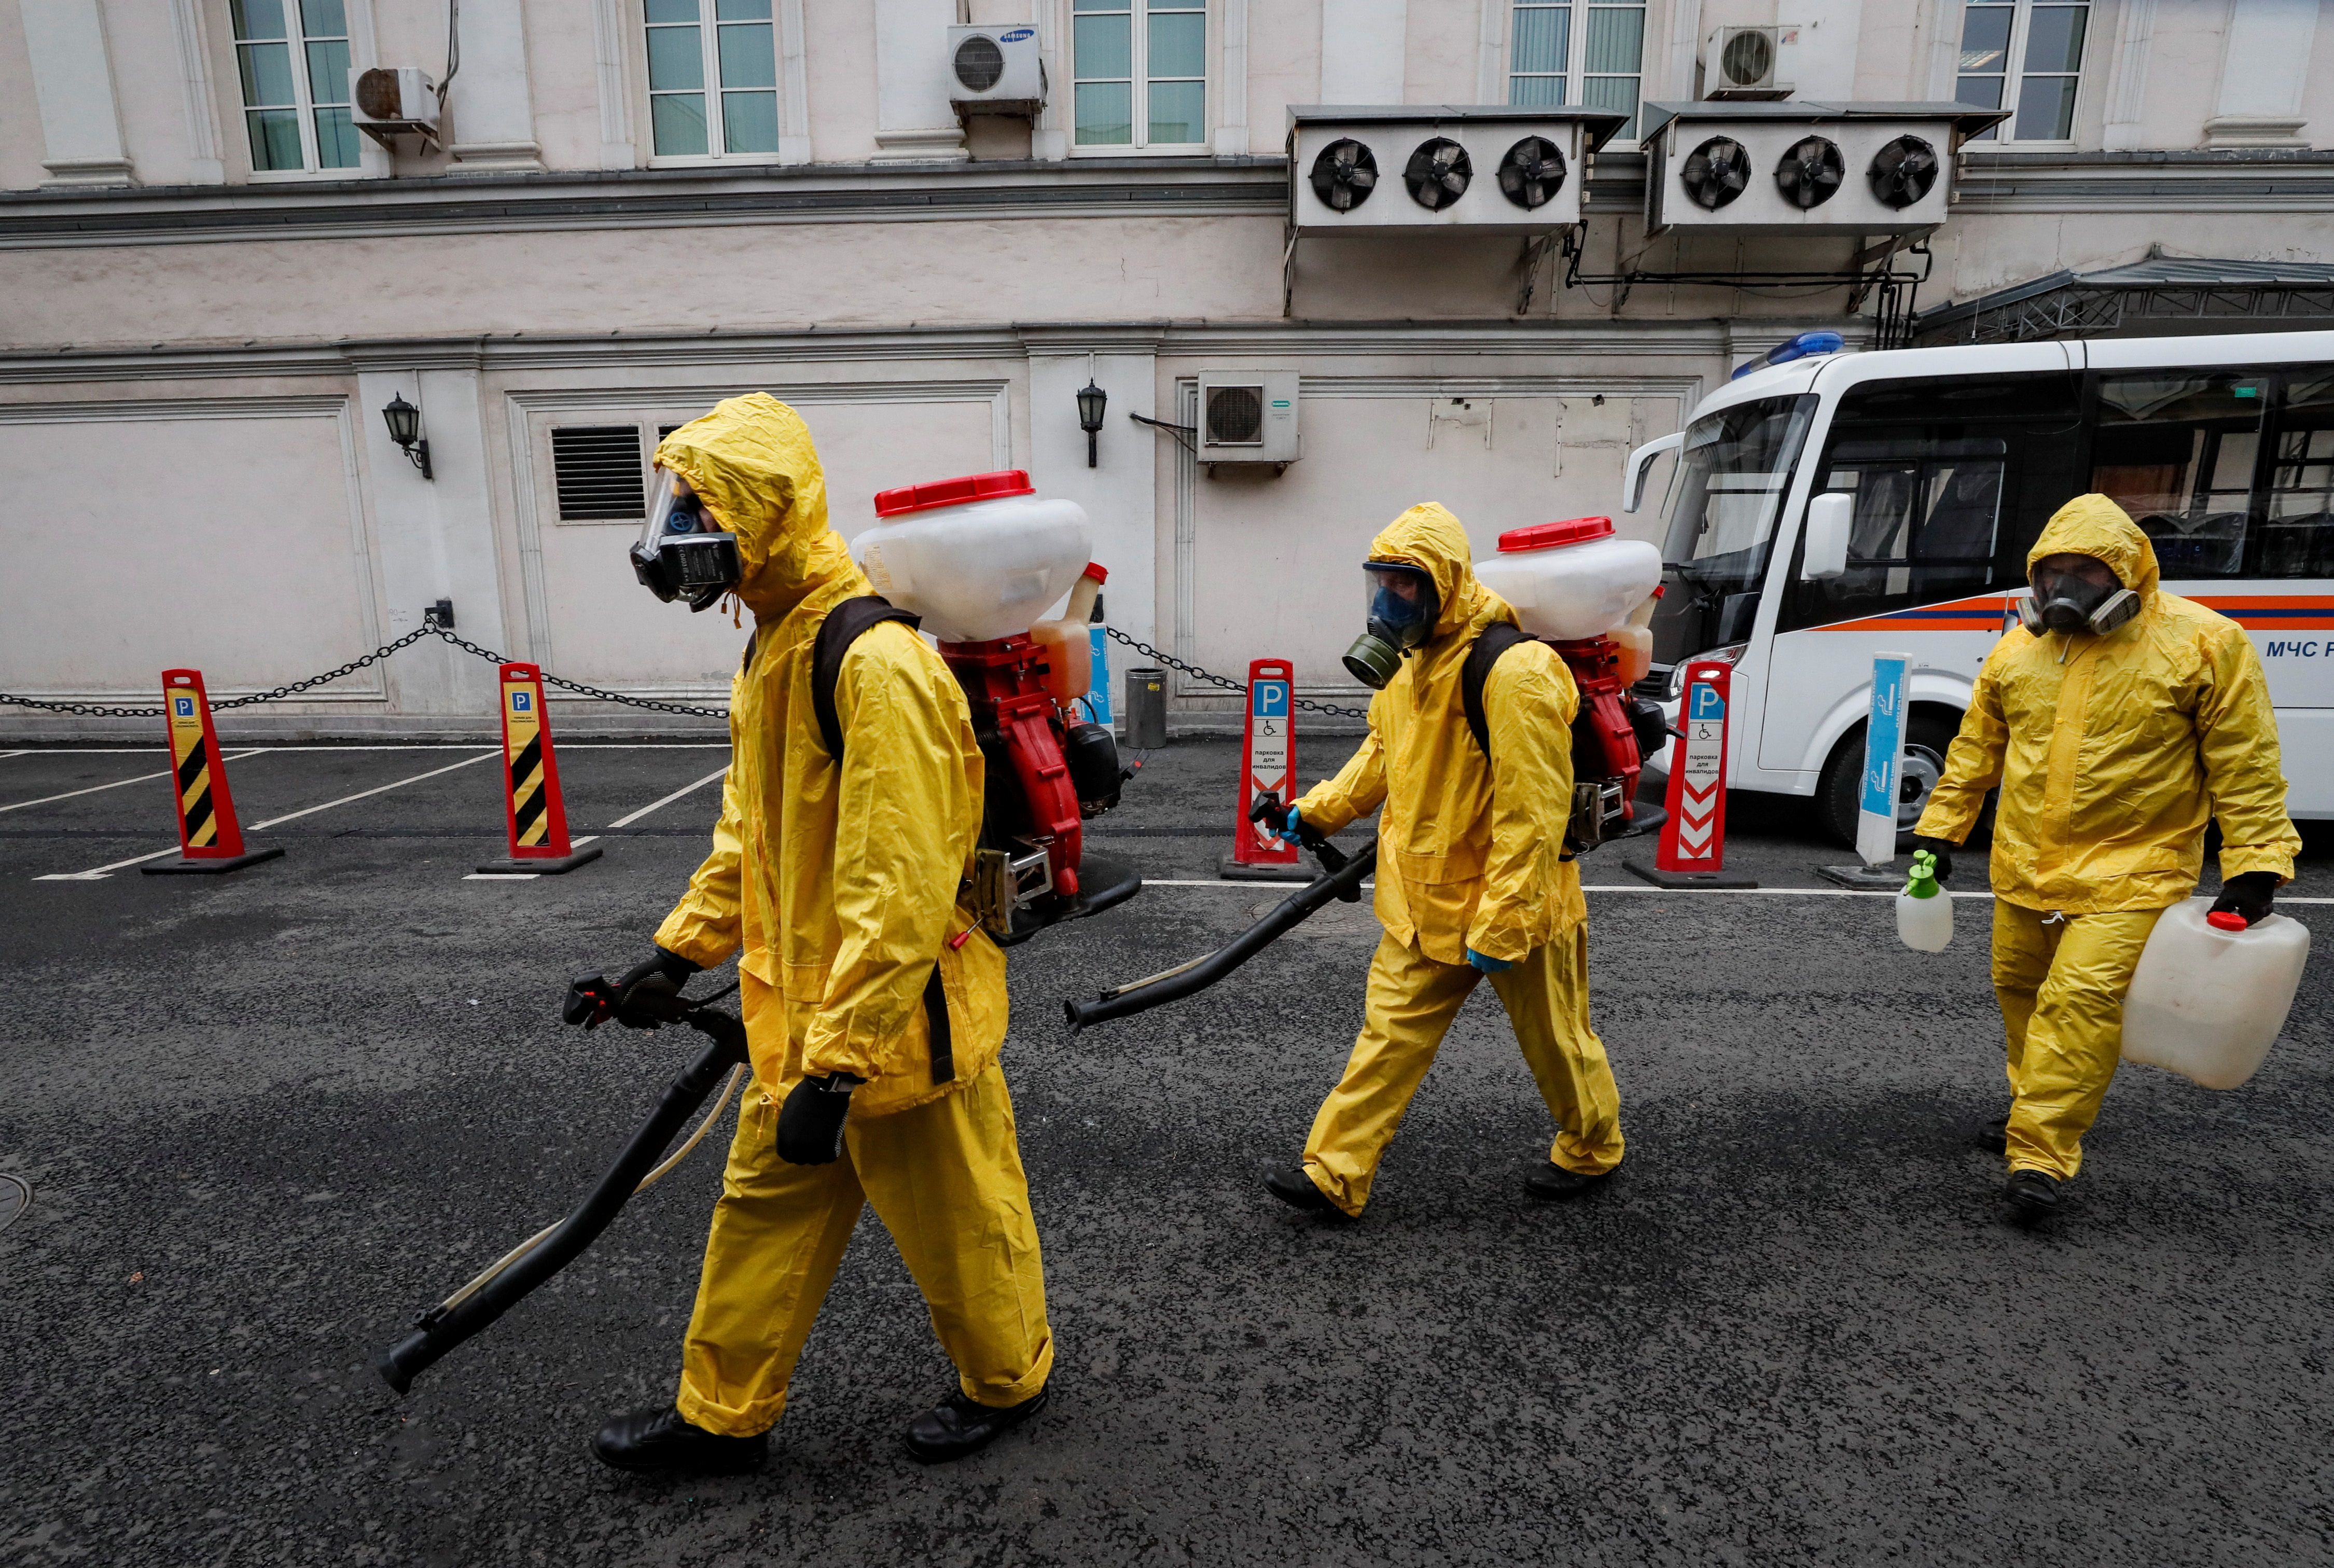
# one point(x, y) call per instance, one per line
point(1805, 346)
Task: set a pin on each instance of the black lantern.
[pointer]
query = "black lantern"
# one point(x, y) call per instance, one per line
point(1092, 400)
point(404, 422)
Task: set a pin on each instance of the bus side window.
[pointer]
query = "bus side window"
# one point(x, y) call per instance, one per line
point(1952, 479)
point(2297, 529)
point(2177, 448)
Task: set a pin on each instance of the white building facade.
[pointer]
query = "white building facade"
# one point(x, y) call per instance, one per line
point(217, 278)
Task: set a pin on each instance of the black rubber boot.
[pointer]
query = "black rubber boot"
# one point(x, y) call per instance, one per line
point(959, 1425)
point(661, 1443)
point(1295, 1187)
point(2030, 1195)
point(1553, 1184)
point(1992, 1136)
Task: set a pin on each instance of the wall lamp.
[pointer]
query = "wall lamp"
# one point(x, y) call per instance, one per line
point(1092, 400)
point(405, 428)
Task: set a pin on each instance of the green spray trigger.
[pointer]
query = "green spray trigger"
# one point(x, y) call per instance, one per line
point(1923, 882)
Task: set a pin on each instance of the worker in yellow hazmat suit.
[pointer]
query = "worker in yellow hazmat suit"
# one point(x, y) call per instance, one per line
point(2117, 719)
point(1472, 876)
point(873, 1019)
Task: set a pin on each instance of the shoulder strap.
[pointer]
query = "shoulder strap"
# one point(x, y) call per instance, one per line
point(1496, 639)
point(845, 625)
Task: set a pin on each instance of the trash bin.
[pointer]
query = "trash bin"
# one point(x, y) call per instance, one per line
point(1146, 708)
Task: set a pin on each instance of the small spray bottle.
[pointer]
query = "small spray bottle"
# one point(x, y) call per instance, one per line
point(1924, 913)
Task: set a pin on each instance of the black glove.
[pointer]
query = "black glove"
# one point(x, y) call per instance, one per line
point(810, 1124)
point(645, 995)
point(2250, 894)
point(1944, 854)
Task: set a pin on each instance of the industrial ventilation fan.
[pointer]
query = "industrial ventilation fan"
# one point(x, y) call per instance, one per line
point(1902, 171)
point(1345, 174)
point(979, 63)
point(1235, 416)
point(1716, 172)
point(1532, 172)
point(1810, 172)
point(1438, 173)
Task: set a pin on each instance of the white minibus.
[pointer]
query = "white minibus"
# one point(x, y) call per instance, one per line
point(2221, 448)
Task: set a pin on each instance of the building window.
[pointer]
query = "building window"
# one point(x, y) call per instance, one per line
point(1590, 53)
point(2046, 42)
point(1141, 72)
point(294, 58)
point(713, 82)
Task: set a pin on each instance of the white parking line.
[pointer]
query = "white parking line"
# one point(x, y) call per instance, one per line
point(593, 838)
point(99, 873)
point(117, 783)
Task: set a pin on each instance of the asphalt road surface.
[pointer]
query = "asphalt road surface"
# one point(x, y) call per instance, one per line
point(268, 1116)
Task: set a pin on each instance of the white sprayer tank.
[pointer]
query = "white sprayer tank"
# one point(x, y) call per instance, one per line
point(978, 558)
point(2207, 1000)
point(1570, 580)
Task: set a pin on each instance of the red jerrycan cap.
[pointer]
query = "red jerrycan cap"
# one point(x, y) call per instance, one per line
point(956, 492)
point(2226, 920)
point(1547, 535)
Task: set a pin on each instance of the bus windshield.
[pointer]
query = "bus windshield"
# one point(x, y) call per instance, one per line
point(1727, 491)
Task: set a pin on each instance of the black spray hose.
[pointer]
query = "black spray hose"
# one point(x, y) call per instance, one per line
point(446, 1325)
point(1344, 881)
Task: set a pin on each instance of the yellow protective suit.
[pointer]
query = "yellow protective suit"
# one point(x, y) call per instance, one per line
point(837, 887)
point(1471, 854)
point(2112, 753)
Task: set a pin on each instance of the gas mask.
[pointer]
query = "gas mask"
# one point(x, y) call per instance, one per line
point(683, 553)
point(1402, 606)
point(2064, 602)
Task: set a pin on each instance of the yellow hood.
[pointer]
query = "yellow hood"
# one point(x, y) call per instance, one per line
point(2095, 526)
point(752, 461)
point(1429, 537)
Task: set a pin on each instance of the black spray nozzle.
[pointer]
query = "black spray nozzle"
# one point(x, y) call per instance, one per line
point(591, 1001)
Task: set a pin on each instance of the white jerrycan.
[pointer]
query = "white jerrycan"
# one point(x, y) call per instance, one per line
point(2211, 992)
point(1924, 911)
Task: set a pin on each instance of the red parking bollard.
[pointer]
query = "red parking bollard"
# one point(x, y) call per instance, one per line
point(209, 840)
point(534, 814)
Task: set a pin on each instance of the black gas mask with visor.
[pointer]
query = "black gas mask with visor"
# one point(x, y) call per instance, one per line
point(1402, 607)
point(2071, 602)
point(683, 552)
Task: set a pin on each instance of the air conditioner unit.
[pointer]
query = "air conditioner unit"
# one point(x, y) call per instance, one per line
point(1741, 64)
point(1247, 416)
point(389, 101)
point(996, 70)
point(1488, 169)
point(1804, 167)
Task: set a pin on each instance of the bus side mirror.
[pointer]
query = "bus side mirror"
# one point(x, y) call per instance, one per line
point(1826, 553)
point(1632, 486)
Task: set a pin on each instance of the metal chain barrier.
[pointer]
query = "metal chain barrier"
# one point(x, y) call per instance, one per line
point(429, 629)
point(597, 693)
point(1194, 671)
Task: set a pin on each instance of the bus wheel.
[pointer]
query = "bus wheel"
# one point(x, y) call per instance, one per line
point(1925, 742)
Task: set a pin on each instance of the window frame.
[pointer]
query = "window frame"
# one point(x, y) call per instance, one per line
point(304, 104)
point(709, 26)
point(1576, 57)
point(2013, 74)
point(1139, 82)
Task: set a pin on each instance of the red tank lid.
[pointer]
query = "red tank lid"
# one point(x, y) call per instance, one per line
point(1547, 535)
point(2226, 920)
point(954, 492)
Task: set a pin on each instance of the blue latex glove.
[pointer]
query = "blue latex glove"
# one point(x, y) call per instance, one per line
point(1489, 964)
point(1288, 826)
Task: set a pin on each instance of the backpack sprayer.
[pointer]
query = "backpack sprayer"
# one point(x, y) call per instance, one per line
point(1589, 596)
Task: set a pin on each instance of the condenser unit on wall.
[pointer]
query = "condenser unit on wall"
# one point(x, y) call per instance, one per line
point(388, 100)
point(1485, 169)
point(1247, 416)
point(996, 70)
point(1743, 62)
point(1797, 167)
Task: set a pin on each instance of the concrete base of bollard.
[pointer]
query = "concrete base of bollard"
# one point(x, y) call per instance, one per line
point(179, 866)
point(541, 865)
point(1660, 878)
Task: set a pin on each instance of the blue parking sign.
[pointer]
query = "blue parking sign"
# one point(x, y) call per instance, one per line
point(1268, 700)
